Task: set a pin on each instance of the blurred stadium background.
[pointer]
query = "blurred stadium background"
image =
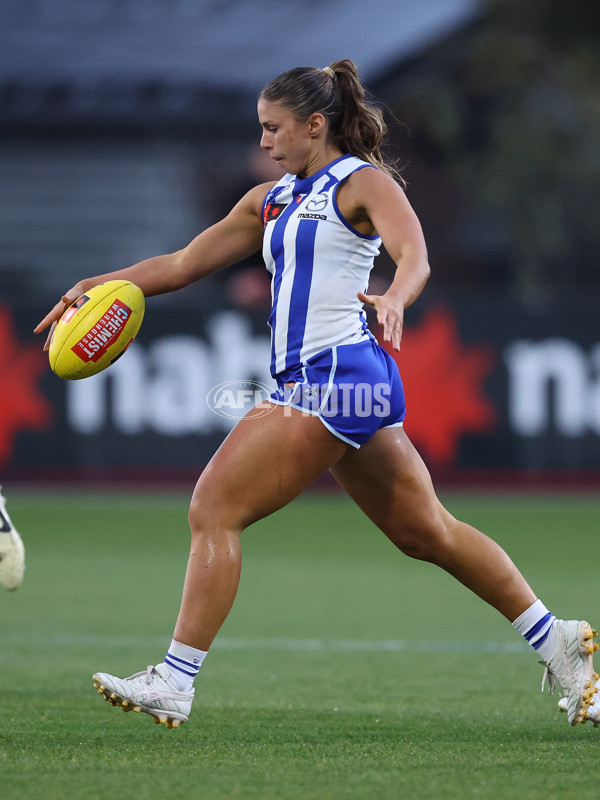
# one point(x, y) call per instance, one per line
point(344, 671)
point(128, 127)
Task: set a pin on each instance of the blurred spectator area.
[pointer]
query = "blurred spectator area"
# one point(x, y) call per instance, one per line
point(70, 205)
point(128, 127)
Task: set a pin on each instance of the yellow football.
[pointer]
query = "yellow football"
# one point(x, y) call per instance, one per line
point(96, 329)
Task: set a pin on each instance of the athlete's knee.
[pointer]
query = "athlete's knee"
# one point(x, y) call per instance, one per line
point(208, 516)
point(426, 539)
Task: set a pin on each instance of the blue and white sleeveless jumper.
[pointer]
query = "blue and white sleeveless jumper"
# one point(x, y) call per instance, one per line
point(318, 262)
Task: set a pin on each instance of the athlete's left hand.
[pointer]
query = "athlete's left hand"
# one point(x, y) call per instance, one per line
point(390, 315)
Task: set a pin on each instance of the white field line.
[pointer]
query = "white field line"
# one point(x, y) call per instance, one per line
point(243, 643)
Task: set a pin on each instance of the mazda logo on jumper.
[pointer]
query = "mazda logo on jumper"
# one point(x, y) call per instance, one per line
point(317, 203)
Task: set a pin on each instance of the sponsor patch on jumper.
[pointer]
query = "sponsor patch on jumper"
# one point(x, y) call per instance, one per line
point(272, 211)
point(104, 334)
point(312, 216)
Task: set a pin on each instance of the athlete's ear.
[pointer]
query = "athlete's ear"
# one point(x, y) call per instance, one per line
point(316, 124)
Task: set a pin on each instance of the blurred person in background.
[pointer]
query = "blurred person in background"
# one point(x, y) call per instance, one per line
point(12, 551)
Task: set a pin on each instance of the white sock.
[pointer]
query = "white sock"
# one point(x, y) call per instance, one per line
point(535, 624)
point(184, 663)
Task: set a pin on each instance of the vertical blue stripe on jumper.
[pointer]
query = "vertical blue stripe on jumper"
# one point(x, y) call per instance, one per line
point(278, 253)
point(305, 256)
point(305, 262)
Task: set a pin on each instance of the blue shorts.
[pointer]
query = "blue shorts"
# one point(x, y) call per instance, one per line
point(354, 389)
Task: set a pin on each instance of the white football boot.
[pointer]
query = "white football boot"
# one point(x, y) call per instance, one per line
point(572, 667)
point(148, 691)
point(12, 551)
point(592, 713)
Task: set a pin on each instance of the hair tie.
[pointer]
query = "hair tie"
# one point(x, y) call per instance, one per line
point(330, 72)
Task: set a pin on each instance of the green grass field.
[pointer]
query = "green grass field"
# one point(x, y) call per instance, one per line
point(345, 670)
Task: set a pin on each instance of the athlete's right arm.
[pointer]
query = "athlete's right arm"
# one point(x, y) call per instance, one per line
point(234, 238)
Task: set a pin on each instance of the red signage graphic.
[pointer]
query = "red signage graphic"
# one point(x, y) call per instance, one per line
point(443, 381)
point(105, 333)
point(23, 407)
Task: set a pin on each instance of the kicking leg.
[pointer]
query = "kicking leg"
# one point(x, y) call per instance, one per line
point(266, 461)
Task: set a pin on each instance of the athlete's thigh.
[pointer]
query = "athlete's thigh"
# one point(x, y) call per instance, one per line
point(389, 481)
point(266, 461)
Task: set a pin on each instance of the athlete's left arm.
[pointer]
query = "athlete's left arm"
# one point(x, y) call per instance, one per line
point(379, 199)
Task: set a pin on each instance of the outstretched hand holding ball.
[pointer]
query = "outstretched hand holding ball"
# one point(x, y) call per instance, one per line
point(95, 329)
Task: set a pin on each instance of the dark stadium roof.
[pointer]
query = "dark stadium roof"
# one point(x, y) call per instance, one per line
point(72, 59)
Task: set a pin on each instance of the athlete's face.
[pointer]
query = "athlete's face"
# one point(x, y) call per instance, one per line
point(288, 141)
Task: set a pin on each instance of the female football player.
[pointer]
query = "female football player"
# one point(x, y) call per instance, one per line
point(339, 404)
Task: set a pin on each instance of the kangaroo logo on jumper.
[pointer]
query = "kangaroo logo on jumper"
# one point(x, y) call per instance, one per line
point(318, 202)
point(272, 211)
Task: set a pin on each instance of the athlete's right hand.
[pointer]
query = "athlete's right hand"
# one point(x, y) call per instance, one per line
point(59, 309)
